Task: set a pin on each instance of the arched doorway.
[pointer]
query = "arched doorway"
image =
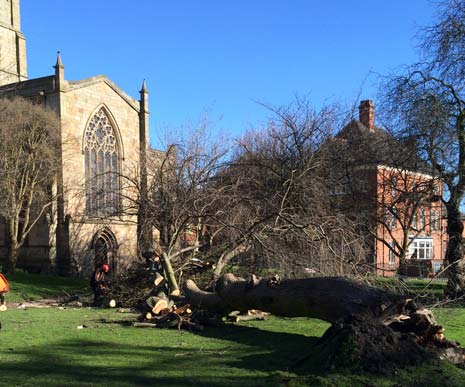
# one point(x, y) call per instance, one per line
point(105, 248)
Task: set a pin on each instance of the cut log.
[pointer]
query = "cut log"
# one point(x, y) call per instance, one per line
point(112, 303)
point(3, 308)
point(252, 314)
point(255, 312)
point(144, 325)
point(159, 305)
point(183, 310)
point(164, 311)
point(159, 280)
point(148, 316)
point(246, 317)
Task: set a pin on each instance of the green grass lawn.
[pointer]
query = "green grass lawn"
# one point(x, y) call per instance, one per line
point(44, 347)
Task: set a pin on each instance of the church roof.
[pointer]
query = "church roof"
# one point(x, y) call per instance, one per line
point(30, 87)
point(47, 85)
point(74, 85)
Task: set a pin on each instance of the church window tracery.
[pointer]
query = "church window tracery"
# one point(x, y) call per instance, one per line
point(101, 156)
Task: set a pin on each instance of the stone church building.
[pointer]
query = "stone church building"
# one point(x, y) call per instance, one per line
point(104, 134)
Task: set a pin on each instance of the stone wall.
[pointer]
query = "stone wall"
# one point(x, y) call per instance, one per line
point(13, 66)
point(78, 104)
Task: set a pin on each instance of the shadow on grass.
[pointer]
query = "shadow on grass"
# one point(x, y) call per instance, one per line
point(254, 358)
point(107, 364)
point(273, 350)
point(260, 350)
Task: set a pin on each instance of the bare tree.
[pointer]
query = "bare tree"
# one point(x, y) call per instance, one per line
point(181, 201)
point(261, 204)
point(278, 191)
point(427, 104)
point(29, 149)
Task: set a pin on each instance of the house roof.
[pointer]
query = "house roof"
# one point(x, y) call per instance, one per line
point(357, 144)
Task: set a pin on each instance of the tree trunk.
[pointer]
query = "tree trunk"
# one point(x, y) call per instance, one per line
point(172, 283)
point(455, 251)
point(325, 298)
point(12, 258)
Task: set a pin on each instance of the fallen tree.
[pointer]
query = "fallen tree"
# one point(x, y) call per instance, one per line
point(372, 329)
point(325, 298)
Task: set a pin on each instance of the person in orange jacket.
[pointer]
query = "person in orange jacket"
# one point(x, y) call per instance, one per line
point(4, 288)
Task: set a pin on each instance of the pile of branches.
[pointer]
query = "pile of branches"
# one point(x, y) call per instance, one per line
point(153, 294)
point(132, 289)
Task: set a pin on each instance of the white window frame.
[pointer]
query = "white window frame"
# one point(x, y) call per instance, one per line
point(421, 248)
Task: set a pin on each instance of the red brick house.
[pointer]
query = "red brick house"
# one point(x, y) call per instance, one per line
point(395, 195)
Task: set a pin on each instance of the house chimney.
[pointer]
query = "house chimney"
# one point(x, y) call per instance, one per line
point(367, 114)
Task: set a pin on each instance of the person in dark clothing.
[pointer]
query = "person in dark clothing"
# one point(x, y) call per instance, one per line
point(154, 265)
point(153, 261)
point(99, 284)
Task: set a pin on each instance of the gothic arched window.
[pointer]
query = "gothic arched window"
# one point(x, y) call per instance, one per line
point(101, 155)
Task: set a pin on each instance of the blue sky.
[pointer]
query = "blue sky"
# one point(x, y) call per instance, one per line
point(220, 57)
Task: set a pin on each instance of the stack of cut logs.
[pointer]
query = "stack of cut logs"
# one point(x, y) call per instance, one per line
point(160, 309)
point(167, 309)
point(163, 316)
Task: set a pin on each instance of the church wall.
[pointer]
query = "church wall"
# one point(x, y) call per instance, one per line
point(7, 7)
point(34, 255)
point(77, 106)
point(8, 65)
point(5, 16)
point(13, 65)
point(67, 234)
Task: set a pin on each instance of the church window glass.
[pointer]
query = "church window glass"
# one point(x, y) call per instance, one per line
point(101, 157)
